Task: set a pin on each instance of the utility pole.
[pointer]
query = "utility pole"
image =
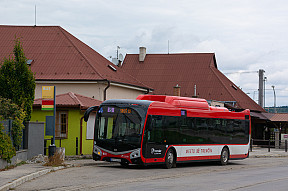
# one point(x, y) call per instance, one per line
point(274, 98)
point(261, 87)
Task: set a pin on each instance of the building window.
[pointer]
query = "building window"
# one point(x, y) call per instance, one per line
point(61, 130)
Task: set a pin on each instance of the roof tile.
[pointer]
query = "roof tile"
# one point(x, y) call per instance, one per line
point(58, 55)
point(164, 71)
point(71, 99)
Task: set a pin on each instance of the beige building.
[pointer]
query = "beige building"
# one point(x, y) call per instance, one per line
point(58, 58)
point(92, 89)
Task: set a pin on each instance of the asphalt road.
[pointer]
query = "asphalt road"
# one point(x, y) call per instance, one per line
point(249, 174)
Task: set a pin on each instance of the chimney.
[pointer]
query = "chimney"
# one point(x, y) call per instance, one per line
point(176, 90)
point(142, 54)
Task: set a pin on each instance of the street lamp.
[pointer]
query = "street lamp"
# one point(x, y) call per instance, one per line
point(274, 98)
point(265, 80)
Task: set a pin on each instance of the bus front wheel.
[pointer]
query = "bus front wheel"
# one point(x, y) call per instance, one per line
point(124, 164)
point(169, 159)
point(224, 158)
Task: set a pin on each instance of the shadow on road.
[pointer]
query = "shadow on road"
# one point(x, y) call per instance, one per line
point(159, 166)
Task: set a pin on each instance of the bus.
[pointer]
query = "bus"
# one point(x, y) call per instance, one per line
point(159, 129)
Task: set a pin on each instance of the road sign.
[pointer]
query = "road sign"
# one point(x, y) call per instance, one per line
point(47, 92)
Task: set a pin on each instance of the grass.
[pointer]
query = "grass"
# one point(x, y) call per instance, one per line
point(55, 160)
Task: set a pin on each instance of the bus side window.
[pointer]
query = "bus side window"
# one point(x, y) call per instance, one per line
point(101, 130)
point(171, 129)
point(156, 134)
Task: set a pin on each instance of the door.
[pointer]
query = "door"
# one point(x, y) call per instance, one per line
point(154, 145)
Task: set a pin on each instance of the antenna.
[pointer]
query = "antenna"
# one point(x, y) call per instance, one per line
point(118, 47)
point(35, 15)
point(121, 57)
point(168, 46)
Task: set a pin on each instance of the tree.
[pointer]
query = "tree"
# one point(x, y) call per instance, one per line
point(17, 81)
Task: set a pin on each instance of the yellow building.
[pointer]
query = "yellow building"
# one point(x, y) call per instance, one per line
point(70, 125)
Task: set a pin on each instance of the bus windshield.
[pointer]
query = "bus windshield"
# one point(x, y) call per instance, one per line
point(119, 126)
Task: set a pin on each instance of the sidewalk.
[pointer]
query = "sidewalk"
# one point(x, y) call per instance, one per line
point(263, 153)
point(14, 177)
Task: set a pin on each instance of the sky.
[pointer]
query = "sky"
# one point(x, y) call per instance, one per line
point(245, 35)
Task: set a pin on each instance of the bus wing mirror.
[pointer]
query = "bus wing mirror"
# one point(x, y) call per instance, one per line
point(88, 111)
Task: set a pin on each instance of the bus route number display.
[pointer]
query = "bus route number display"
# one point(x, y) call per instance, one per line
point(125, 110)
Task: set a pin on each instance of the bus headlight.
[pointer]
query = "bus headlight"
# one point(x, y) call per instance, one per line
point(135, 154)
point(97, 151)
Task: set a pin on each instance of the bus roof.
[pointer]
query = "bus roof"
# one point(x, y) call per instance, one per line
point(180, 102)
point(127, 101)
point(190, 104)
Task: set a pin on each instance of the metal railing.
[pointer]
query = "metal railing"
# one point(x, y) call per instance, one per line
point(280, 144)
point(46, 145)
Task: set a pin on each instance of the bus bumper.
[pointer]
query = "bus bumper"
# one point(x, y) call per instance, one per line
point(96, 157)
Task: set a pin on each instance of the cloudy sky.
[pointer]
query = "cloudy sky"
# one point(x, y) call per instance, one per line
point(245, 35)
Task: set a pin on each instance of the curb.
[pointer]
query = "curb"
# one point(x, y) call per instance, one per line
point(268, 156)
point(34, 175)
point(26, 178)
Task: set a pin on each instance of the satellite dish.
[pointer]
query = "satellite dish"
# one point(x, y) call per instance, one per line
point(120, 57)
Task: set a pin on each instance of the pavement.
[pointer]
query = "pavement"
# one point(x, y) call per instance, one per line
point(14, 177)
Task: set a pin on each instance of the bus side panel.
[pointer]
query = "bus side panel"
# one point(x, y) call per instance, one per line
point(238, 151)
point(198, 152)
point(209, 152)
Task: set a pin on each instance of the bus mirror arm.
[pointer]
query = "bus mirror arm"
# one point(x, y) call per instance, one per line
point(88, 111)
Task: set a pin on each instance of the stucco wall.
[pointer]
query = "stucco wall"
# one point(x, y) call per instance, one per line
point(93, 90)
point(115, 92)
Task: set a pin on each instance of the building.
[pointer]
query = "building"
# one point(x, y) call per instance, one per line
point(71, 129)
point(58, 58)
point(195, 75)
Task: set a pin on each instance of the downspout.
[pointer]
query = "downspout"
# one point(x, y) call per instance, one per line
point(147, 91)
point(81, 125)
point(105, 90)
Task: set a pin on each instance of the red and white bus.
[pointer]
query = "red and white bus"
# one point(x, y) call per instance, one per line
point(156, 129)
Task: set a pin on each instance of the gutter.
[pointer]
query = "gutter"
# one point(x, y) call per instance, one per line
point(105, 90)
point(81, 127)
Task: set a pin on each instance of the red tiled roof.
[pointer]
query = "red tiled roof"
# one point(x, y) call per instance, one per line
point(164, 71)
point(71, 100)
point(277, 117)
point(58, 55)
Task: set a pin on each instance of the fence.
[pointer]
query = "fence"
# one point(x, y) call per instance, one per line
point(8, 130)
point(280, 144)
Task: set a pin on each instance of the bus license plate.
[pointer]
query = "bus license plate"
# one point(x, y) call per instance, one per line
point(115, 160)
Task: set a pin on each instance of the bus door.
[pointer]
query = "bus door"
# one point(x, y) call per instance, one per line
point(154, 144)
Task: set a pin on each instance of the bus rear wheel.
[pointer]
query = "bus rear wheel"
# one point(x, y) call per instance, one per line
point(224, 158)
point(169, 159)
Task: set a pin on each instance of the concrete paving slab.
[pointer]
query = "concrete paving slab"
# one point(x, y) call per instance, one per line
point(11, 178)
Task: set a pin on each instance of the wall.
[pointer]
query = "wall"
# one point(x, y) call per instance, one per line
point(91, 89)
point(116, 92)
point(20, 156)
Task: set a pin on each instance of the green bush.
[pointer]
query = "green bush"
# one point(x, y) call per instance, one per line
point(7, 151)
point(9, 110)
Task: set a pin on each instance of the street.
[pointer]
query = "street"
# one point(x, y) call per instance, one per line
point(249, 174)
